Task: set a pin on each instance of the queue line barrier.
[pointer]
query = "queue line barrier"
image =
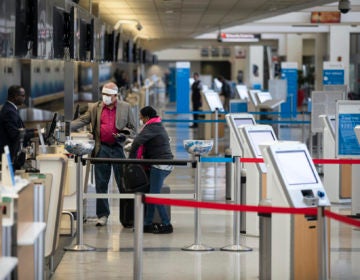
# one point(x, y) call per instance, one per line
point(320, 212)
point(315, 160)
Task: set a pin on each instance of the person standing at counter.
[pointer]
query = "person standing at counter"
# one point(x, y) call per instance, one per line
point(11, 124)
point(153, 142)
point(108, 118)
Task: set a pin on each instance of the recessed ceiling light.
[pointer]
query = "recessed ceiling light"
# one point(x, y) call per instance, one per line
point(169, 12)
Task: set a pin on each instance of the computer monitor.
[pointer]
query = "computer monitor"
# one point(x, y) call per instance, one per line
point(242, 92)
point(239, 119)
point(258, 137)
point(296, 173)
point(263, 96)
point(243, 121)
point(213, 101)
point(332, 123)
point(296, 168)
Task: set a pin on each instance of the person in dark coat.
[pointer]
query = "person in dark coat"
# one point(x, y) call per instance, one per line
point(196, 88)
point(153, 142)
point(11, 125)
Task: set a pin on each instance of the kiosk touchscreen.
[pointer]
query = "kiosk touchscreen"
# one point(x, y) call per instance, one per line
point(293, 182)
point(298, 176)
point(234, 121)
point(252, 137)
point(213, 100)
point(242, 92)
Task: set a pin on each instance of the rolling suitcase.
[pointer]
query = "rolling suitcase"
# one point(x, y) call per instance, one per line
point(135, 179)
point(127, 211)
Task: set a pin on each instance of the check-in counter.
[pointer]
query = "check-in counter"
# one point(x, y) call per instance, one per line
point(22, 234)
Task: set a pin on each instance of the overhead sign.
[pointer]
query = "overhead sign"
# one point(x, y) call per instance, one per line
point(326, 17)
point(239, 37)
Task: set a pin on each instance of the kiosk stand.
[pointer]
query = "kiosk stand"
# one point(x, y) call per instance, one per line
point(234, 121)
point(347, 145)
point(293, 182)
point(337, 178)
point(251, 137)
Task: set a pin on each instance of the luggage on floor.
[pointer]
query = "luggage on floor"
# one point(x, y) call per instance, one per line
point(127, 210)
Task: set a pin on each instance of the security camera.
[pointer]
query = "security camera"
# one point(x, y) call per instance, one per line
point(344, 6)
point(139, 26)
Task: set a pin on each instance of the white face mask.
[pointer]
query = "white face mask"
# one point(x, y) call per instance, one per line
point(107, 99)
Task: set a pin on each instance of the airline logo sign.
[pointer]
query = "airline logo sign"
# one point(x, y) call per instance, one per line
point(239, 37)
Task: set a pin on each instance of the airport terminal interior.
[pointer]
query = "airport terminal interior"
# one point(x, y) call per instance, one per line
point(265, 182)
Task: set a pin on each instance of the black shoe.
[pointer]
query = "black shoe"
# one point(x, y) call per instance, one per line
point(148, 228)
point(162, 229)
point(193, 126)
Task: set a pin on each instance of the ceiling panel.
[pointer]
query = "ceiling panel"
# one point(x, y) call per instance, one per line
point(185, 19)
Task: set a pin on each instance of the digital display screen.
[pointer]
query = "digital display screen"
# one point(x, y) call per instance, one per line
point(258, 137)
point(296, 167)
point(214, 101)
point(263, 96)
point(243, 121)
point(242, 91)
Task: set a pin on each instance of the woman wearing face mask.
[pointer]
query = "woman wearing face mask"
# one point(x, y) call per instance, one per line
point(153, 143)
point(107, 117)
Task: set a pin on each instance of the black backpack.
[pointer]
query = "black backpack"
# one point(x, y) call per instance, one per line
point(135, 178)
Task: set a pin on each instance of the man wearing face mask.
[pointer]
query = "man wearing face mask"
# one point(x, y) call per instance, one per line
point(108, 118)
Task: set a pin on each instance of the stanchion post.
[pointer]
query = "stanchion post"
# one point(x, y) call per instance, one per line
point(228, 176)
point(216, 130)
point(323, 256)
point(197, 246)
point(265, 242)
point(236, 246)
point(138, 237)
point(79, 246)
point(243, 200)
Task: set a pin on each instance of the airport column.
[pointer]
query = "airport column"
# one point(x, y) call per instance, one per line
point(340, 52)
point(180, 89)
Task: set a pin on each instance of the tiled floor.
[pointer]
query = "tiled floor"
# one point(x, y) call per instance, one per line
point(162, 254)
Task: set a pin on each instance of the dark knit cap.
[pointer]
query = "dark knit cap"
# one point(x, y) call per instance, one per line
point(148, 112)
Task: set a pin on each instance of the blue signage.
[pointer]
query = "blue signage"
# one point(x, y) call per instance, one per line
point(333, 76)
point(348, 144)
point(289, 107)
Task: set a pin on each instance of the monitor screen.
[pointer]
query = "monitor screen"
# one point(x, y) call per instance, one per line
point(296, 167)
point(243, 121)
point(213, 101)
point(258, 137)
point(263, 96)
point(242, 91)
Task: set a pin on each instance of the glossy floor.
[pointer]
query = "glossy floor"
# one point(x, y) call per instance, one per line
point(163, 257)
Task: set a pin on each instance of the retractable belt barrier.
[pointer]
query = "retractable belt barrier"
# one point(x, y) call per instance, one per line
point(316, 161)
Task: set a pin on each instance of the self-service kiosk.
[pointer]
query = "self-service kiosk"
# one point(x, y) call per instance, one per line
point(251, 137)
point(234, 121)
point(292, 181)
point(337, 178)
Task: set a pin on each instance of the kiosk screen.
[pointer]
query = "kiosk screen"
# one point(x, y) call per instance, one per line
point(258, 137)
point(333, 123)
point(213, 101)
point(295, 167)
point(243, 121)
point(242, 91)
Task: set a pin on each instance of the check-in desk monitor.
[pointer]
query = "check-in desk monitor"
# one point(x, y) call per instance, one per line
point(265, 100)
point(293, 182)
point(242, 92)
point(234, 121)
point(213, 100)
point(253, 136)
point(298, 177)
